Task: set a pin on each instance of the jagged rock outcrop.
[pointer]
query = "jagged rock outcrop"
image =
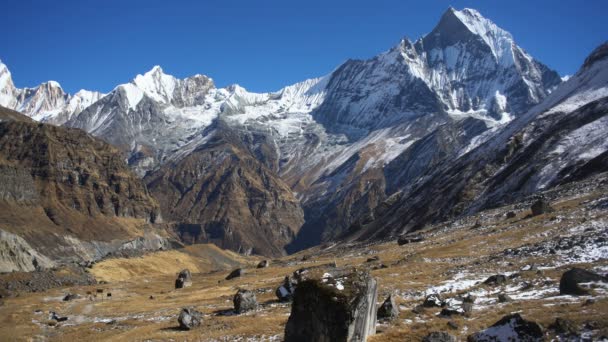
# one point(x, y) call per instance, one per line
point(189, 318)
point(244, 300)
point(571, 280)
point(184, 279)
point(63, 184)
point(340, 306)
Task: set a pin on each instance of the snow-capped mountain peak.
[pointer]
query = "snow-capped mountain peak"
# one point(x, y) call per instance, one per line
point(499, 40)
point(156, 84)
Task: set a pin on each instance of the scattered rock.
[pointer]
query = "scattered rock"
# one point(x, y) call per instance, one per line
point(373, 259)
point(510, 215)
point(151, 297)
point(57, 318)
point(236, 273)
point(343, 309)
point(451, 311)
point(285, 292)
point(244, 300)
point(541, 206)
point(433, 300)
point(70, 296)
point(439, 337)
point(184, 279)
point(564, 327)
point(418, 309)
point(189, 318)
point(497, 279)
point(569, 283)
point(264, 264)
point(510, 328)
point(453, 325)
point(406, 239)
point(504, 298)
point(389, 309)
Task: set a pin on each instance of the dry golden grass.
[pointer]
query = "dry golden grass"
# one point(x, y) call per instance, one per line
point(412, 268)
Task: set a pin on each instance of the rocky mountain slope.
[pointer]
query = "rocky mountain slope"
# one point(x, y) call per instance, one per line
point(345, 143)
point(220, 193)
point(558, 141)
point(65, 195)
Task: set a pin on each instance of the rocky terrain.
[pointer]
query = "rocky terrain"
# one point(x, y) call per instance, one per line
point(453, 279)
point(344, 143)
point(67, 196)
point(451, 188)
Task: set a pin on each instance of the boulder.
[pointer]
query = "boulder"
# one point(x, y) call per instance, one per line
point(510, 328)
point(336, 306)
point(244, 300)
point(236, 273)
point(564, 327)
point(571, 280)
point(540, 206)
point(70, 296)
point(439, 337)
point(264, 264)
point(373, 259)
point(504, 298)
point(189, 318)
point(433, 300)
point(406, 239)
point(285, 292)
point(54, 316)
point(510, 215)
point(497, 279)
point(389, 309)
point(184, 279)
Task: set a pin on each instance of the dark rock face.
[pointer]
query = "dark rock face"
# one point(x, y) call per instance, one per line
point(541, 206)
point(439, 337)
point(264, 264)
point(389, 309)
point(569, 283)
point(340, 307)
point(497, 279)
point(189, 318)
point(235, 274)
point(244, 300)
point(184, 279)
point(510, 328)
point(510, 215)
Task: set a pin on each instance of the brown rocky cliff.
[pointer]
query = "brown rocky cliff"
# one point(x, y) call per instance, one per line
point(56, 181)
point(220, 193)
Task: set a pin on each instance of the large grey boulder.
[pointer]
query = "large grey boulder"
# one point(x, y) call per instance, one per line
point(189, 318)
point(184, 279)
point(336, 306)
point(571, 280)
point(244, 300)
point(510, 328)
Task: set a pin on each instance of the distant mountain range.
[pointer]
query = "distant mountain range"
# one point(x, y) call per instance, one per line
point(459, 120)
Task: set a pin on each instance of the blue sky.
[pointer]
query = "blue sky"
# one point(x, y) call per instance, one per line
point(262, 45)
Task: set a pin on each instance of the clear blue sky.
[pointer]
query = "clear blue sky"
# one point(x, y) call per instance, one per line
point(262, 45)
